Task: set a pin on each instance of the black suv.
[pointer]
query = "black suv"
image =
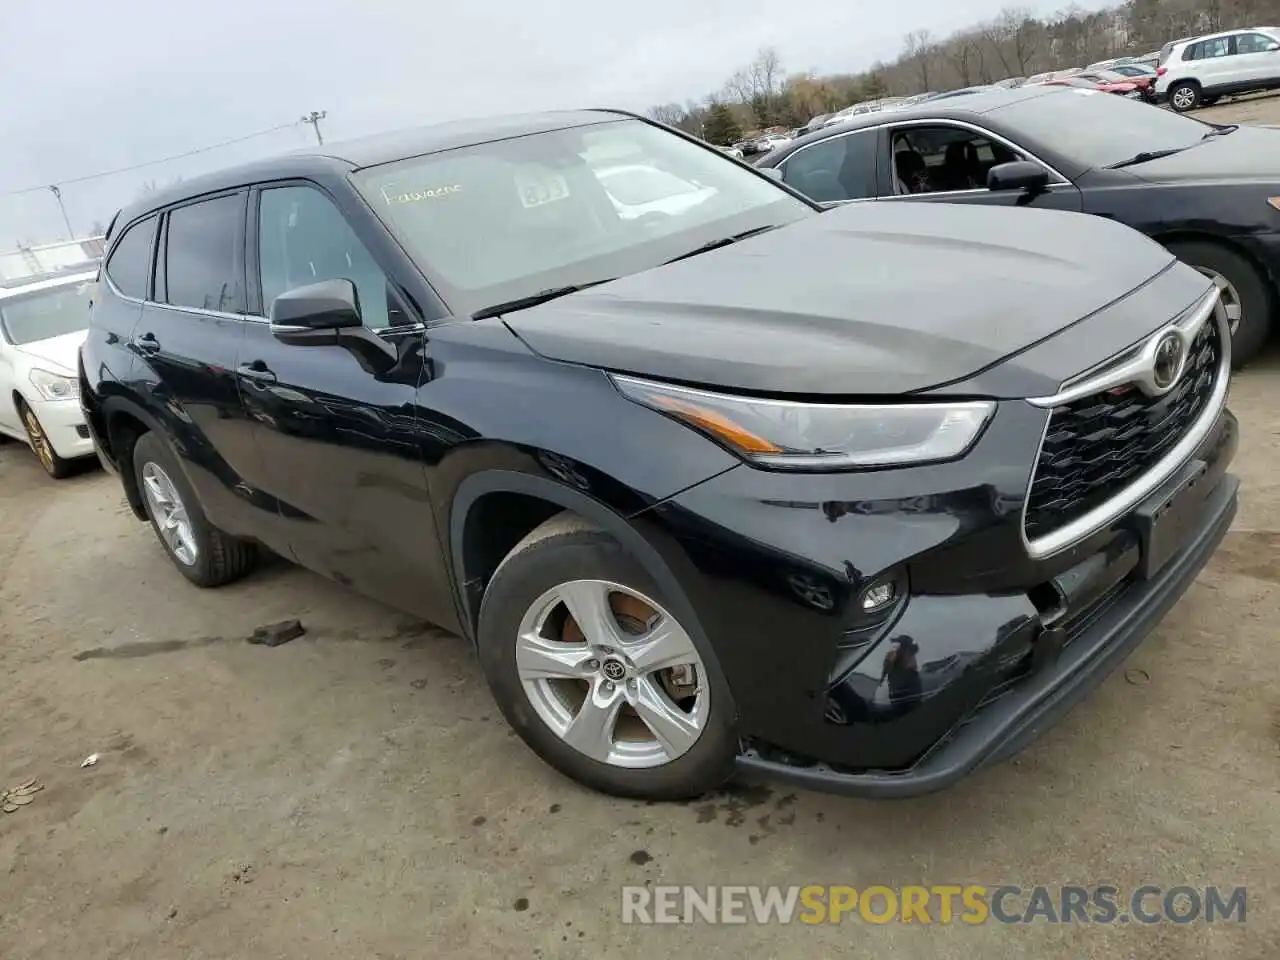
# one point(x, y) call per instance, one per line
point(861, 498)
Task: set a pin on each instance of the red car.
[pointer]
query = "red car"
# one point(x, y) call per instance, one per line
point(1107, 81)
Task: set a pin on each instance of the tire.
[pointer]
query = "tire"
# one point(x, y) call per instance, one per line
point(54, 465)
point(566, 553)
point(1184, 96)
point(1244, 285)
point(217, 558)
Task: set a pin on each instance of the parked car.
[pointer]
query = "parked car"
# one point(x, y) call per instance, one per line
point(43, 321)
point(962, 92)
point(1102, 82)
point(734, 152)
point(624, 458)
point(1203, 190)
point(1198, 71)
point(814, 123)
point(1135, 70)
point(1009, 83)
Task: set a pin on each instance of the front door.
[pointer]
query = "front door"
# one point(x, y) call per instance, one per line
point(948, 163)
point(337, 432)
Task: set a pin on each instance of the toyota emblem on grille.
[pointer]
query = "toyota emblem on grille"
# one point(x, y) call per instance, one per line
point(1166, 365)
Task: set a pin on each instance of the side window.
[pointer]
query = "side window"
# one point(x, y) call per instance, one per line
point(1212, 49)
point(1253, 43)
point(945, 159)
point(841, 168)
point(202, 269)
point(303, 238)
point(129, 266)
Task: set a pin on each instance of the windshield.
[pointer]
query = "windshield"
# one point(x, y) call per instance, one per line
point(27, 318)
point(512, 218)
point(1098, 129)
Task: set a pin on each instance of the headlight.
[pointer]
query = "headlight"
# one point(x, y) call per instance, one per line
point(54, 386)
point(819, 436)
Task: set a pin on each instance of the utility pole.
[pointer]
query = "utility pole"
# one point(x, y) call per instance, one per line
point(314, 118)
point(71, 234)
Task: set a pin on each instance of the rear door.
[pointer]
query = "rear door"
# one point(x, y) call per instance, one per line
point(835, 170)
point(187, 341)
point(947, 162)
point(338, 433)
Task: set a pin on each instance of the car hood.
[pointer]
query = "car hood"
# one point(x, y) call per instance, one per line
point(866, 299)
point(1248, 153)
point(58, 353)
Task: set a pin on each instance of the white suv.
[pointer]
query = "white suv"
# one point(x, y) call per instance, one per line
point(1197, 71)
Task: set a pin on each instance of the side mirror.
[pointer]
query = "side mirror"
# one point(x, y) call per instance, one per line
point(773, 173)
point(1018, 175)
point(317, 312)
point(1273, 46)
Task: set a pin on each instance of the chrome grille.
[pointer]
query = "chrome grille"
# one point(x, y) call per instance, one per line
point(1097, 445)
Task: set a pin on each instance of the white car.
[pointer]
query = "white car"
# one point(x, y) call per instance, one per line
point(638, 189)
point(1196, 71)
point(42, 325)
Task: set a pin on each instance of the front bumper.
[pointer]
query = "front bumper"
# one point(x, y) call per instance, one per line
point(1000, 644)
point(63, 423)
point(1007, 725)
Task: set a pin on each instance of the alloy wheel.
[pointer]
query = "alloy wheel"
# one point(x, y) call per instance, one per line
point(1230, 297)
point(39, 442)
point(170, 513)
point(612, 673)
point(1184, 98)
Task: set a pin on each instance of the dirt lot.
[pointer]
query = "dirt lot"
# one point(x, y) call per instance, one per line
point(355, 794)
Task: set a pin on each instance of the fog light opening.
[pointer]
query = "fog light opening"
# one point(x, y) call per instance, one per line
point(878, 596)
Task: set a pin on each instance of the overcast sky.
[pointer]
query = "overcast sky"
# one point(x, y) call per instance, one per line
point(91, 86)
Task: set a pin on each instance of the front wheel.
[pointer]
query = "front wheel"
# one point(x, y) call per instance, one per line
point(202, 553)
point(1184, 96)
point(596, 674)
point(54, 465)
point(1246, 298)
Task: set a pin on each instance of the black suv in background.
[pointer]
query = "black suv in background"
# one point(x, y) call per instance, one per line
point(862, 497)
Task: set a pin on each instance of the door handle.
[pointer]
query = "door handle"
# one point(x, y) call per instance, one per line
point(257, 371)
point(147, 343)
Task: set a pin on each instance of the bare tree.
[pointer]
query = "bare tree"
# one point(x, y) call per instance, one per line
point(919, 50)
point(669, 113)
point(964, 51)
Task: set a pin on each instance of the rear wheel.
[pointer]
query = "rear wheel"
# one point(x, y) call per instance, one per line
point(54, 465)
point(1245, 295)
point(597, 675)
point(202, 553)
point(1184, 96)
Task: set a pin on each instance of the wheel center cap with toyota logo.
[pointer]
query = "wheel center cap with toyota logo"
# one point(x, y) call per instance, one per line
point(613, 670)
point(1166, 366)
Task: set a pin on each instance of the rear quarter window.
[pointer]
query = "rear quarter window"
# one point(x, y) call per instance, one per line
point(129, 266)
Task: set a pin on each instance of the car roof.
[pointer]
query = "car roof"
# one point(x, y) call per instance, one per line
point(47, 283)
point(349, 155)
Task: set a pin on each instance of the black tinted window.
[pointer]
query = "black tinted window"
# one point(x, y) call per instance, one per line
point(303, 238)
point(130, 264)
point(202, 268)
point(842, 168)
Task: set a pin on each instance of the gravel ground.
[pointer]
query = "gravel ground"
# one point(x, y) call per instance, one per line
point(354, 793)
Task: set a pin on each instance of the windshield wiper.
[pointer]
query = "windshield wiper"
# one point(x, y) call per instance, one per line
point(521, 303)
point(1221, 131)
point(723, 242)
point(1146, 156)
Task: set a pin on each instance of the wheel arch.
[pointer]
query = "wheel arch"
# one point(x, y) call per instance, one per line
point(1191, 235)
point(476, 552)
point(125, 423)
